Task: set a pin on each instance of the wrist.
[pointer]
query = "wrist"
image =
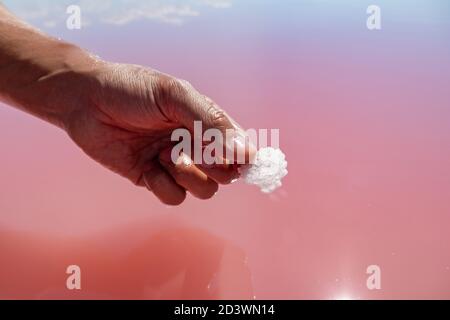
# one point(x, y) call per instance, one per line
point(47, 78)
point(67, 85)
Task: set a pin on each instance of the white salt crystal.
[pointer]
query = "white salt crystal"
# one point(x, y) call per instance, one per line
point(267, 170)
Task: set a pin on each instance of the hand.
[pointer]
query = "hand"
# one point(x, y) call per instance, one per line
point(120, 115)
point(123, 116)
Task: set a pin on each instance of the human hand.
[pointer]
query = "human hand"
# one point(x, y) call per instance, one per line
point(123, 115)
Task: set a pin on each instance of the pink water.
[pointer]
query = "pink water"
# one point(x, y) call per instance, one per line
point(364, 121)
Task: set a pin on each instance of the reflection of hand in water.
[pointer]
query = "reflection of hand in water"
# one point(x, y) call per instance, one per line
point(120, 115)
point(173, 262)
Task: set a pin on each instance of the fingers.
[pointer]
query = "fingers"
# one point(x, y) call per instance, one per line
point(164, 186)
point(169, 181)
point(188, 106)
point(193, 106)
point(188, 176)
point(221, 173)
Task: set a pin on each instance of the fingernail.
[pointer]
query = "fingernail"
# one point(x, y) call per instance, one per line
point(244, 146)
point(240, 140)
point(184, 160)
point(234, 180)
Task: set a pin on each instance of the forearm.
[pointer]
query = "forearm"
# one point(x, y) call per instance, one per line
point(36, 69)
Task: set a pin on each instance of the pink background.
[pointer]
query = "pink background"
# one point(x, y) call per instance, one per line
point(364, 122)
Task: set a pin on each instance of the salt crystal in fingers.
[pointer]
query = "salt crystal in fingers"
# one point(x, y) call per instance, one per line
point(268, 169)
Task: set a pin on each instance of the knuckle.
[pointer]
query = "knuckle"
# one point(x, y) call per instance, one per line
point(171, 89)
point(168, 93)
point(185, 84)
point(170, 84)
point(217, 115)
point(166, 83)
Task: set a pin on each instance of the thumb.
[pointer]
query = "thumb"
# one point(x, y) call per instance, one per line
point(190, 106)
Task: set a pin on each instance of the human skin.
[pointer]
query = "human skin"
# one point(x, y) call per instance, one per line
point(121, 115)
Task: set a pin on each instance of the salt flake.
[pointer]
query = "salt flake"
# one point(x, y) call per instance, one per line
point(267, 170)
